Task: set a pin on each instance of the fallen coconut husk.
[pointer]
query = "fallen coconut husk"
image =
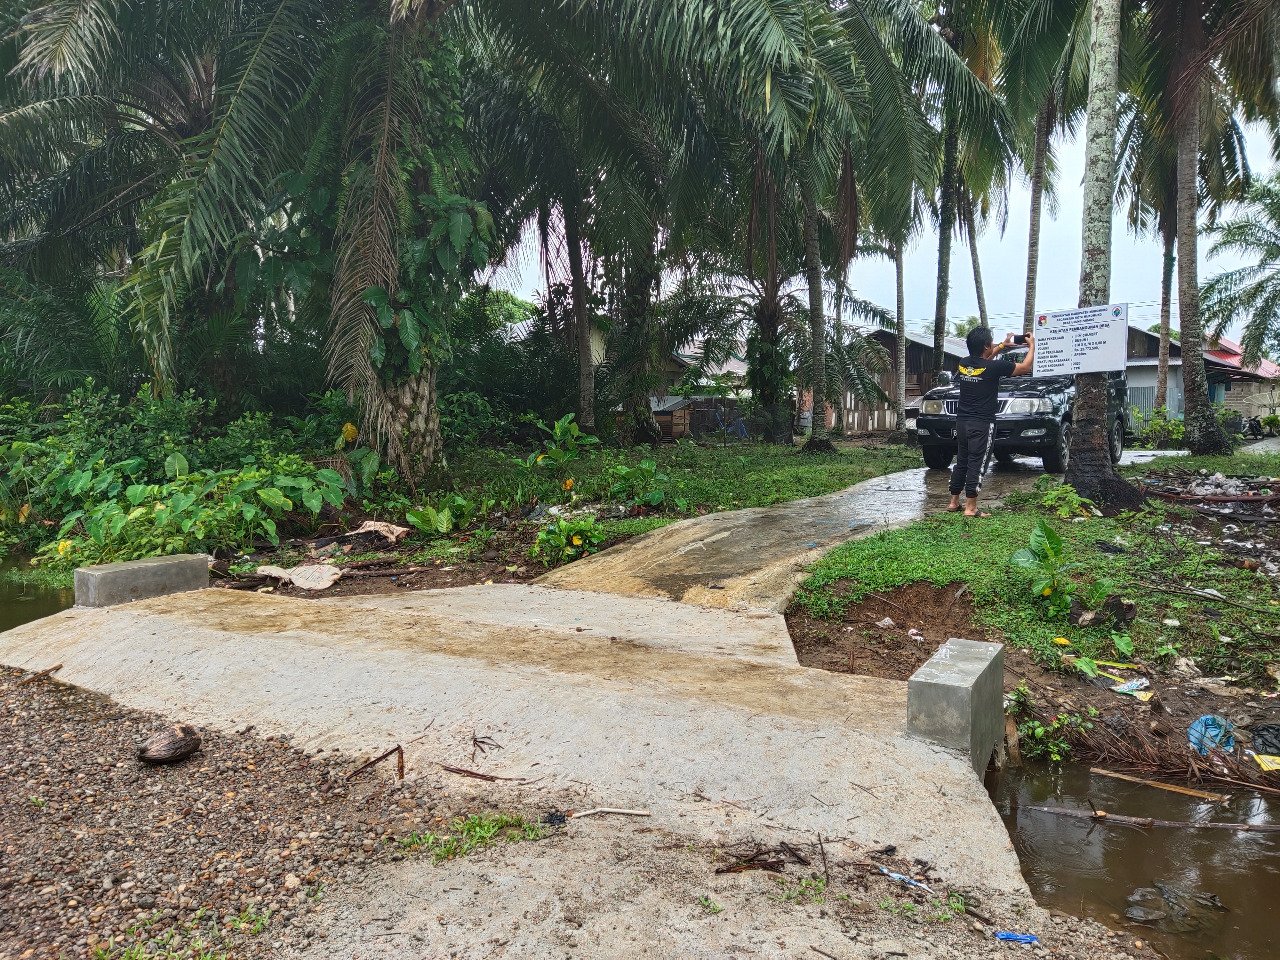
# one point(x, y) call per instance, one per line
point(170, 745)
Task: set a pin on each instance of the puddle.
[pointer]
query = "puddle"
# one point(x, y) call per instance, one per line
point(1087, 870)
point(23, 602)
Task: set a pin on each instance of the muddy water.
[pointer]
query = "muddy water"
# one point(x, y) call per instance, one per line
point(1083, 869)
point(21, 602)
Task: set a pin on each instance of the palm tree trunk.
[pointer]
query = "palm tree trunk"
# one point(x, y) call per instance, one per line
point(900, 361)
point(1166, 310)
point(971, 227)
point(841, 401)
point(1038, 164)
point(582, 320)
point(642, 272)
point(946, 228)
point(818, 439)
point(1202, 433)
point(1090, 469)
point(414, 414)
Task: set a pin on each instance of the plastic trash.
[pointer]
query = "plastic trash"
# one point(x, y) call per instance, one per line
point(904, 879)
point(1132, 686)
point(1017, 937)
point(1211, 732)
point(1266, 738)
point(1136, 688)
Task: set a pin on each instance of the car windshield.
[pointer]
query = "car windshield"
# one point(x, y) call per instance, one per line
point(1016, 354)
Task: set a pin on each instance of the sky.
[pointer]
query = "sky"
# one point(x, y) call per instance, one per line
point(1135, 275)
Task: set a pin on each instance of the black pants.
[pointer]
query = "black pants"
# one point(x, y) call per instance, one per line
point(974, 441)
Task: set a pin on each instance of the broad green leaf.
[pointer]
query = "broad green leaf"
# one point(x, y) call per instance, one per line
point(175, 465)
point(275, 499)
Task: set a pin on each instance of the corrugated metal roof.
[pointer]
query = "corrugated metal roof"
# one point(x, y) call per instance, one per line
point(1231, 354)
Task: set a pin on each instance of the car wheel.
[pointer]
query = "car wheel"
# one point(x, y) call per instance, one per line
point(937, 457)
point(1117, 440)
point(1056, 460)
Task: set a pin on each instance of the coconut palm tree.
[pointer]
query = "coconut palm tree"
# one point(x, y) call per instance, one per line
point(1089, 468)
point(1044, 74)
point(1250, 294)
point(1204, 40)
point(1148, 174)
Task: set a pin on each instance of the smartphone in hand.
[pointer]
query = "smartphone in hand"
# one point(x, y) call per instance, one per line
point(1019, 339)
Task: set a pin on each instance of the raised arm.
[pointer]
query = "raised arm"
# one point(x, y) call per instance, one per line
point(1025, 366)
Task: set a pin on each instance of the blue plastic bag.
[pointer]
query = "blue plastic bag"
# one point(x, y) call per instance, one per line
point(1017, 937)
point(1211, 732)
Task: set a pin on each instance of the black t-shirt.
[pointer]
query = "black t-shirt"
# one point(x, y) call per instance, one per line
point(980, 386)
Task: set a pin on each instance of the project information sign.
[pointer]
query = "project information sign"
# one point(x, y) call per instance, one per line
point(1087, 340)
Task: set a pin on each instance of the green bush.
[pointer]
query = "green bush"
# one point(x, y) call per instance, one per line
point(568, 540)
point(96, 478)
point(1159, 431)
point(642, 485)
point(192, 512)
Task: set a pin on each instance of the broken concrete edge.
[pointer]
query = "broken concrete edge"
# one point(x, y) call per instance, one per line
point(956, 699)
point(111, 584)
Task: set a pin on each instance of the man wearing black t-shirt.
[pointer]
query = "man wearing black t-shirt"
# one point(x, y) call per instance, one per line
point(979, 378)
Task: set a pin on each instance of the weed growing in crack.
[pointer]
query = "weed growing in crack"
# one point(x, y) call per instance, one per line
point(803, 890)
point(473, 833)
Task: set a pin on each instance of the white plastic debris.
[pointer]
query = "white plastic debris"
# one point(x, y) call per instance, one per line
point(310, 576)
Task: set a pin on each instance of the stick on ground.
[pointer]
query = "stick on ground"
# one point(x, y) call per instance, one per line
point(605, 811)
point(36, 676)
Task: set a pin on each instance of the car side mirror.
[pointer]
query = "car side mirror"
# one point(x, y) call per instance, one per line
point(942, 379)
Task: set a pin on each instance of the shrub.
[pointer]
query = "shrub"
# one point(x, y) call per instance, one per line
point(642, 485)
point(568, 540)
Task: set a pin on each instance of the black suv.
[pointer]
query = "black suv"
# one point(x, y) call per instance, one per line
point(1034, 417)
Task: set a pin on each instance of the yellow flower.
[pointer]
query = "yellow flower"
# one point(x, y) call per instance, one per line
point(350, 432)
point(1046, 591)
point(577, 540)
point(541, 457)
point(1062, 641)
point(568, 484)
point(64, 547)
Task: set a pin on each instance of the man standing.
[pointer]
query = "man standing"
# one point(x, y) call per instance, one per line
point(979, 378)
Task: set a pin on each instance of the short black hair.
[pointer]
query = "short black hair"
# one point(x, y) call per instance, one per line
point(978, 339)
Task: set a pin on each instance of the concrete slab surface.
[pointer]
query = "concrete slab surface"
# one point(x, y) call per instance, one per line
point(112, 583)
point(638, 720)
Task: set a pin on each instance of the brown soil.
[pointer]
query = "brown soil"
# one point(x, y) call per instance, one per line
point(504, 559)
point(853, 643)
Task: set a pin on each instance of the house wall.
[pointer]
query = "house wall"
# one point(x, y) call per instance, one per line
point(864, 417)
point(1142, 388)
point(1252, 399)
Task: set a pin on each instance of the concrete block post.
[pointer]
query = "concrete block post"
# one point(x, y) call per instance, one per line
point(957, 699)
point(114, 583)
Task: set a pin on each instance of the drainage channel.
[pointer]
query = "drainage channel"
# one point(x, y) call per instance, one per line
point(1087, 870)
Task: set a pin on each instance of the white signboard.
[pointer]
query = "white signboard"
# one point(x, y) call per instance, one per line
point(1087, 340)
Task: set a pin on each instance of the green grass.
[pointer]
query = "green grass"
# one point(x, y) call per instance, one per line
point(473, 833)
point(947, 548)
point(714, 478)
point(1240, 464)
point(709, 906)
point(38, 577)
point(802, 890)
